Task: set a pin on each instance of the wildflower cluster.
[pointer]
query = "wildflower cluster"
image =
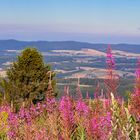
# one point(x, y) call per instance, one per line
point(70, 119)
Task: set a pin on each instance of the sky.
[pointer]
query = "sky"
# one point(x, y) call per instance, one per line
point(96, 21)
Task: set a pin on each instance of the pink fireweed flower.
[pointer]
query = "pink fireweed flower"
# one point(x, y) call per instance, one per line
point(51, 105)
point(82, 108)
point(36, 110)
point(112, 79)
point(109, 57)
point(105, 121)
point(39, 108)
point(100, 127)
point(50, 100)
point(66, 111)
point(13, 119)
point(12, 134)
point(106, 103)
point(13, 123)
point(25, 115)
point(135, 98)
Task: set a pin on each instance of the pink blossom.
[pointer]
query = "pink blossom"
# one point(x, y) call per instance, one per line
point(66, 111)
point(82, 108)
point(100, 127)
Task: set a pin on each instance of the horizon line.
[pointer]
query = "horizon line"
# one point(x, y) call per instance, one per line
point(123, 43)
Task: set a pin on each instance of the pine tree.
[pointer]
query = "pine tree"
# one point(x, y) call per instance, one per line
point(30, 77)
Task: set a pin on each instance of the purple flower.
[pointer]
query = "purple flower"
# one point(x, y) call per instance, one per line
point(82, 108)
point(11, 134)
point(66, 111)
point(25, 115)
point(100, 126)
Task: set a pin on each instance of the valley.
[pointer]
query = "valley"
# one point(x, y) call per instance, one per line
point(73, 60)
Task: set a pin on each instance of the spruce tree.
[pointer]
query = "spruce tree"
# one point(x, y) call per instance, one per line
point(30, 77)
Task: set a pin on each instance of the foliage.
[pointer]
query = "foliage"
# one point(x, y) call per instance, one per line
point(28, 79)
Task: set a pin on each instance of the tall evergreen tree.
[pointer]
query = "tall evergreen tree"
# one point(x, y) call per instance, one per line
point(31, 77)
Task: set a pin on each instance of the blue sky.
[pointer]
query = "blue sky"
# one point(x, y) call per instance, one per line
point(103, 21)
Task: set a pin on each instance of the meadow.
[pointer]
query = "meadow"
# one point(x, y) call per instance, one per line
point(106, 117)
point(73, 119)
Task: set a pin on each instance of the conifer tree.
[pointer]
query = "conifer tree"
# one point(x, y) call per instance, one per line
point(31, 77)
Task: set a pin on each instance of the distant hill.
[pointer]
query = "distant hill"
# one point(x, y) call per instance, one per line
point(64, 45)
